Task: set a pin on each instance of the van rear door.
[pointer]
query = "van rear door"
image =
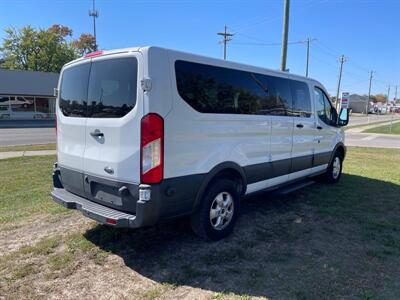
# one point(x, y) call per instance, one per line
point(114, 113)
point(115, 109)
point(71, 124)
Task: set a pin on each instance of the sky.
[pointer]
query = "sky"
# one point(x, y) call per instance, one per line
point(366, 32)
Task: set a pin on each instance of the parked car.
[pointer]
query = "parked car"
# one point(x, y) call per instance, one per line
point(7, 113)
point(168, 134)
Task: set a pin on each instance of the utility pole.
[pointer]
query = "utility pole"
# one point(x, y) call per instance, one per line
point(94, 13)
point(227, 38)
point(308, 42)
point(308, 55)
point(387, 102)
point(342, 59)
point(393, 109)
point(369, 90)
point(285, 34)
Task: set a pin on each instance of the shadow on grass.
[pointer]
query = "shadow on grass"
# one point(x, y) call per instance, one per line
point(326, 241)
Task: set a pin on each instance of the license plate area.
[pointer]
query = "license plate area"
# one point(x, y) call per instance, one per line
point(107, 192)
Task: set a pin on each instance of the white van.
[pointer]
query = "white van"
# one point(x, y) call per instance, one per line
point(149, 134)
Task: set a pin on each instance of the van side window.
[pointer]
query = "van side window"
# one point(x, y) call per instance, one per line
point(212, 89)
point(281, 99)
point(73, 92)
point(301, 99)
point(323, 106)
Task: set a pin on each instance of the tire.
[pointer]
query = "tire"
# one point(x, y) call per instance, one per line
point(334, 171)
point(218, 212)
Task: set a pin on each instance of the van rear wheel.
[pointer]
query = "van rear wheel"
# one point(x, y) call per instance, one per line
point(218, 211)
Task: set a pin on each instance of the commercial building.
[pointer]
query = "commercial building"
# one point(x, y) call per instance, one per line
point(27, 95)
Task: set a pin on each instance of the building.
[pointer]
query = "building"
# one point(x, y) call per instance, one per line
point(27, 95)
point(358, 104)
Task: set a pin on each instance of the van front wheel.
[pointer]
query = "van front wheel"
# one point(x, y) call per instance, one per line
point(334, 170)
point(218, 211)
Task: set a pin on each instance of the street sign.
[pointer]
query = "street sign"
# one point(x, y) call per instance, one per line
point(345, 100)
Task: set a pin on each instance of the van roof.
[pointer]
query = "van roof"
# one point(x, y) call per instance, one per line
point(227, 62)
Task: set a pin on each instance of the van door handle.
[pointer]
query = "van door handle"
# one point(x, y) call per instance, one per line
point(97, 133)
point(299, 125)
point(319, 127)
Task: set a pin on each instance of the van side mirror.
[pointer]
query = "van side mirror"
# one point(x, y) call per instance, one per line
point(343, 117)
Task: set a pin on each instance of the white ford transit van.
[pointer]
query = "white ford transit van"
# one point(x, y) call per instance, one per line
point(149, 134)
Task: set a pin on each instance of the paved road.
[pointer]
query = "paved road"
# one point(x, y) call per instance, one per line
point(27, 123)
point(26, 136)
point(372, 140)
point(363, 120)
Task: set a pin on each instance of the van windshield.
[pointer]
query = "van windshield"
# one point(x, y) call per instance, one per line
point(100, 89)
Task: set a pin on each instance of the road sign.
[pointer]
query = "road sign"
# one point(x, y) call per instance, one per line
point(345, 100)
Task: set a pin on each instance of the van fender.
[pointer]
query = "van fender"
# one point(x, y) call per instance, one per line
point(338, 145)
point(225, 166)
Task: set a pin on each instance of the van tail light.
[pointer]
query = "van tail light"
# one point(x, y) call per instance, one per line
point(152, 149)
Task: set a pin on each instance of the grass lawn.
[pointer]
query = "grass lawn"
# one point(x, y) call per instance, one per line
point(322, 242)
point(28, 147)
point(385, 129)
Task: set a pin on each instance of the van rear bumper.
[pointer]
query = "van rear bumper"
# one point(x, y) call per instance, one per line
point(145, 214)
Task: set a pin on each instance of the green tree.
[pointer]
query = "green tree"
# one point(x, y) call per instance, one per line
point(86, 43)
point(44, 50)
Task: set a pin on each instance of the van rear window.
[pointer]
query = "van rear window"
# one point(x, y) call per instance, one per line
point(101, 89)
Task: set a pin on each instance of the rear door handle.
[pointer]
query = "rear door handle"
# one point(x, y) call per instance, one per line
point(319, 127)
point(299, 125)
point(97, 133)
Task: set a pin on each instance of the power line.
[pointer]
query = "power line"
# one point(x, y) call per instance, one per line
point(304, 7)
point(265, 44)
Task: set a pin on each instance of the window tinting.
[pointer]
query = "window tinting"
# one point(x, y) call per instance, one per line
point(323, 106)
point(73, 92)
point(112, 88)
point(102, 89)
point(211, 89)
point(280, 100)
point(301, 99)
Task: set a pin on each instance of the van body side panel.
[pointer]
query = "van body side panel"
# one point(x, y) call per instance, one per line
point(304, 142)
point(157, 68)
point(327, 138)
point(196, 142)
point(281, 144)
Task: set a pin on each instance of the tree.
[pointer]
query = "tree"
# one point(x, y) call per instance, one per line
point(86, 43)
point(44, 50)
point(380, 98)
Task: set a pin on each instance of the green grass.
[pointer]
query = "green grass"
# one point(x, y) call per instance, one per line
point(385, 129)
point(60, 261)
point(348, 240)
point(25, 188)
point(28, 147)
